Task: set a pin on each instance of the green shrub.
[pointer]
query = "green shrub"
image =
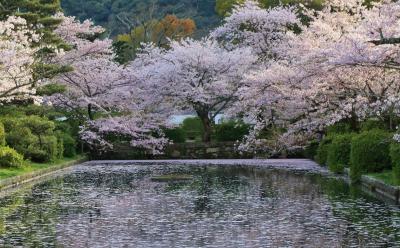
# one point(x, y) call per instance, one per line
point(45, 151)
point(372, 124)
point(193, 128)
point(176, 135)
point(339, 152)
point(38, 126)
point(231, 131)
point(339, 128)
point(10, 123)
point(28, 127)
point(322, 151)
point(11, 110)
point(69, 146)
point(64, 127)
point(21, 139)
point(37, 155)
point(32, 109)
point(34, 137)
point(2, 135)
point(60, 147)
point(10, 158)
point(395, 158)
point(369, 153)
point(310, 151)
point(51, 146)
point(50, 89)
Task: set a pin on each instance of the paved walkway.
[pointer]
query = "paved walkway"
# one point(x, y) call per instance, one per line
point(288, 164)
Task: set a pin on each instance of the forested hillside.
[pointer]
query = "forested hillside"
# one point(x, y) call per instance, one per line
point(109, 13)
point(114, 14)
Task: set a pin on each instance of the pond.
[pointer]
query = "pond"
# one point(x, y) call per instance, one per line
point(194, 206)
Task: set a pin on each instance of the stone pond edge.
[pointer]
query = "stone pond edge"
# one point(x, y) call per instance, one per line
point(378, 188)
point(16, 181)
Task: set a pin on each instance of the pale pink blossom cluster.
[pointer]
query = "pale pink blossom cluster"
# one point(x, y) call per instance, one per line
point(17, 57)
point(141, 131)
point(343, 64)
point(100, 85)
point(195, 75)
point(249, 25)
point(349, 68)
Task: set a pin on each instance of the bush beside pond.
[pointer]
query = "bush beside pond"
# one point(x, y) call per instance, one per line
point(322, 150)
point(310, 151)
point(368, 149)
point(34, 137)
point(34, 132)
point(395, 158)
point(10, 158)
point(339, 152)
point(369, 153)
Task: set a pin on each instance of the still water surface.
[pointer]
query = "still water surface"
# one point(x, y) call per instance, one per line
point(206, 206)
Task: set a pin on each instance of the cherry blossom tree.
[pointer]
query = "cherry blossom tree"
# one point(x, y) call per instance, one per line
point(372, 51)
point(264, 97)
point(17, 58)
point(200, 76)
point(100, 85)
point(342, 66)
point(347, 73)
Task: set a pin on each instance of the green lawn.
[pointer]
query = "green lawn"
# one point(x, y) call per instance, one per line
point(385, 176)
point(32, 167)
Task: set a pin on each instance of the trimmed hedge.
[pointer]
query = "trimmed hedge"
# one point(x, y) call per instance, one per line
point(339, 153)
point(310, 151)
point(231, 131)
point(193, 128)
point(323, 149)
point(10, 158)
point(176, 135)
point(369, 153)
point(395, 158)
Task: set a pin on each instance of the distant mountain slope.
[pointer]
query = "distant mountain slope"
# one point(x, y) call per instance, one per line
point(108, 12)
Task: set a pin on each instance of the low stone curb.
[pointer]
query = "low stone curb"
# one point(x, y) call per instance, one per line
point(16, 181)
point(379, 188)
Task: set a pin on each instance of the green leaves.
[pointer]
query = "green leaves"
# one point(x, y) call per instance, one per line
point(50, 89)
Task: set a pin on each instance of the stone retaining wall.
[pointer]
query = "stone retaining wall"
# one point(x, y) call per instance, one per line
point(223, 150)
point(213, 150)
point(379, 189)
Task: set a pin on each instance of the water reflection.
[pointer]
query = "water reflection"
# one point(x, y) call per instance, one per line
point(121, 206)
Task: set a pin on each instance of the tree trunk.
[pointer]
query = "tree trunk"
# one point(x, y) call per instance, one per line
point(354, 122)
point(90, 112)
point(207, 125)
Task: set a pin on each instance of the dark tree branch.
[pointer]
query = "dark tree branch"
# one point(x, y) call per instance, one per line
point(386, 41)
